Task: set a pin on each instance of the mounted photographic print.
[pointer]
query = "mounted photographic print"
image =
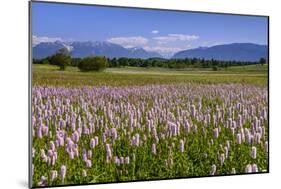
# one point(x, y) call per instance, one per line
point(120, 94)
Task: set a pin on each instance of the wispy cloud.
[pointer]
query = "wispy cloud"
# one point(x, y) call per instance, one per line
point(40, 39)
point(175, 37)
point(135, 41)
point(154, 31)
point(164, 51)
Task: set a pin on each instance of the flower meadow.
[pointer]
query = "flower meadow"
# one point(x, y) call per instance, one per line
point(126, 133)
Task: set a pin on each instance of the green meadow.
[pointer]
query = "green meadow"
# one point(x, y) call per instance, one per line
point(48, 75)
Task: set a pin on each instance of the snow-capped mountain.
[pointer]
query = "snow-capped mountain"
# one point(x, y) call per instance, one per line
point(88, 48)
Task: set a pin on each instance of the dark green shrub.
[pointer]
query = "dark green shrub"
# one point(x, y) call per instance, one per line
point(92, 64)
point(215, 68)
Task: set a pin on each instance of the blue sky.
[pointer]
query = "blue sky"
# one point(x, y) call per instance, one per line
point(163, 31)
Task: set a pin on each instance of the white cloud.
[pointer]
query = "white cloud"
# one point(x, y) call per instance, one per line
point(175, 37)
point(164, 51)
point(154, 31)
point(135, 41)
point(39, 39)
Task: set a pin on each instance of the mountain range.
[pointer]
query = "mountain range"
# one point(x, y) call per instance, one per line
point(235, 51)
point(83, 49)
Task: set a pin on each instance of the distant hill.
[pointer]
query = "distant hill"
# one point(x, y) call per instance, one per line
point(45, 49)
point(235, 51)
point(83, 49)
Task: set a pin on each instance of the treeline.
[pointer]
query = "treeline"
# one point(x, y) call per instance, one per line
point(138, 62)
point(177, 63)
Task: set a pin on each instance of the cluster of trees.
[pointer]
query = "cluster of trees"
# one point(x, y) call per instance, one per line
point(62, 59)
point(177, 63)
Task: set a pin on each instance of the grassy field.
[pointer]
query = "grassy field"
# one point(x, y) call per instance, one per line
point(147, 123)
point(51, 76)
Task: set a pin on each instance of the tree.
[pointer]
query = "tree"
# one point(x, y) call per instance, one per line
point(61, 58)
point(93, 64)
point(123, 61)
point(262, 61)
point(215, 68)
